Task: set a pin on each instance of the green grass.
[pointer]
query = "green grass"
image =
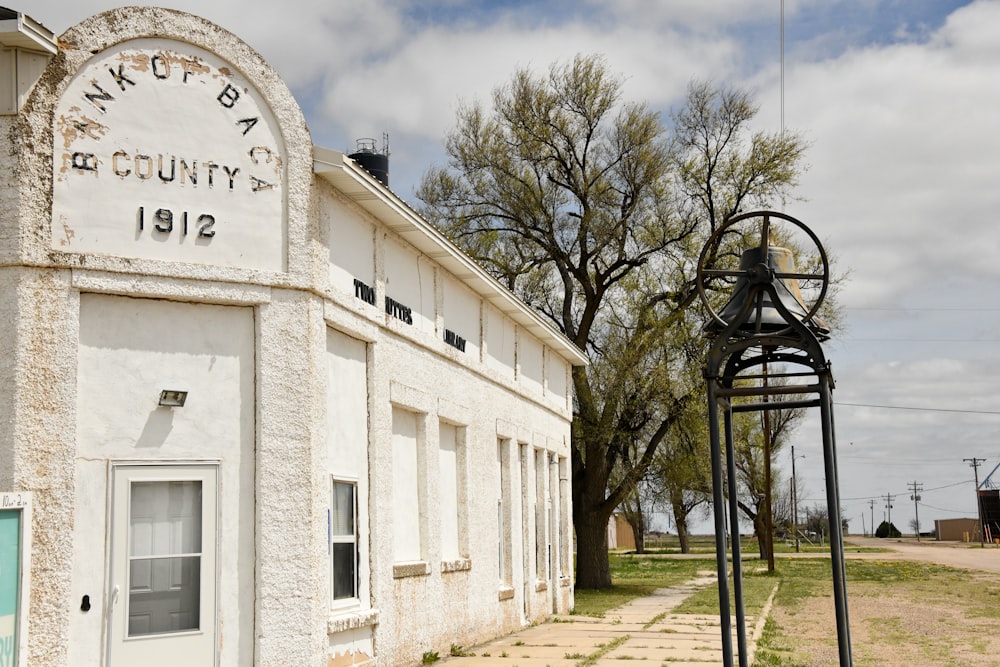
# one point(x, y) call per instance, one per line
point(757, 587)
point(976, 598)
point(923, 582)
point(705, 544)
point(636, 576)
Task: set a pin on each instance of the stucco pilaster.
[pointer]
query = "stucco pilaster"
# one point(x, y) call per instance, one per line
point(291, 494)
point(42, 438)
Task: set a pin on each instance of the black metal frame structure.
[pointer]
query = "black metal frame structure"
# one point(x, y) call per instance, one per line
point(741, 345)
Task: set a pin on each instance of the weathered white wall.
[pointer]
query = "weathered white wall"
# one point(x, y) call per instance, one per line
point(39, 455)
point(556, 378)
point(462, 314)
point(448, 491)
point(501, 336)
point(409, 280)
point(352, 641)
point(347, 407)
point(303, 377)
point(129, 350)
point(352, 247)
point(455, 601)
point(407, 504)
point(8, 366)
point(530, 360)
point(164, 151)
point(293, 483)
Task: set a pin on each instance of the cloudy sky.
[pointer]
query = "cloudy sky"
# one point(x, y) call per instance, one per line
point(900, 101)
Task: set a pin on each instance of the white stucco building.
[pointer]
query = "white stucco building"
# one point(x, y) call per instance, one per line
point(263, 412)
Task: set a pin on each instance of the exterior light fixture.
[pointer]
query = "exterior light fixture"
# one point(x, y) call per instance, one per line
point(172, 398)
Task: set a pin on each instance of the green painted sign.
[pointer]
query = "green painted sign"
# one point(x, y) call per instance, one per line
point(10, 584)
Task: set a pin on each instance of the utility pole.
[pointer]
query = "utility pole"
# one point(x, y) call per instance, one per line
point(974, 463)
point(888, 505)
point(915, 497)
point(768, 535)
point(871, 504)
point(795, 504)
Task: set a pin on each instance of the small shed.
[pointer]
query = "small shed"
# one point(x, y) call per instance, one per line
point(956, 530)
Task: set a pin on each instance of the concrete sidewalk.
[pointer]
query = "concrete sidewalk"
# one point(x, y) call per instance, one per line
point(644, 630)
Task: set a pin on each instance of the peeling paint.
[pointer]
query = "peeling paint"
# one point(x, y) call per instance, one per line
point(75, 128)
point(199, 165)
point(68, 232)
point(348, 658)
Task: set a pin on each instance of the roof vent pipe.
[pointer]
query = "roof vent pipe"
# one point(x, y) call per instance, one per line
point(375, 161)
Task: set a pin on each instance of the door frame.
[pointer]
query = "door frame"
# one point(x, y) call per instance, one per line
point(108, 612)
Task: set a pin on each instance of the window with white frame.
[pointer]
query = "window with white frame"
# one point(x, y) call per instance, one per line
point(451, 489)
point(343, 541)
point(347, 459)
point(504, 518)
point(408, 471)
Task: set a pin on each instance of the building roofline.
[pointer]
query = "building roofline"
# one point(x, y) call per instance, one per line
point(365, 190)
point(20, 31)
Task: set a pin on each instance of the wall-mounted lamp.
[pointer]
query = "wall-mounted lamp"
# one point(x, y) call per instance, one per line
point(172, 398)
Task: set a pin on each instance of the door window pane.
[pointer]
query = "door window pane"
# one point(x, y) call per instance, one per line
point(165, 527)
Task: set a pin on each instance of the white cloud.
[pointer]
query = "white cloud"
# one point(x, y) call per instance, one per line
point(905, 152)
point(415, 88)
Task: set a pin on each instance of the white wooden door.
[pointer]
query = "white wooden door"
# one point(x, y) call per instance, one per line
point(163, 566)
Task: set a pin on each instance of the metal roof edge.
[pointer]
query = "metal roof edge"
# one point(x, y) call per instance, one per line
point(26, 33)
point(364, 189)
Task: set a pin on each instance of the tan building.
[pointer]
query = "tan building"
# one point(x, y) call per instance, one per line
point(957, 530)
point(257, 411)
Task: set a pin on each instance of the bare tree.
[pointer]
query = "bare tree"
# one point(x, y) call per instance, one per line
point(584, 206)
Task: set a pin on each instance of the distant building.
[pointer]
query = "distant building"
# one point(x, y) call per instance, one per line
point(956, 530)
point(256, 410)
point(989, 507)
point(620, 534)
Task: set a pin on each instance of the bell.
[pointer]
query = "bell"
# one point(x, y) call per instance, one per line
point(769, 319)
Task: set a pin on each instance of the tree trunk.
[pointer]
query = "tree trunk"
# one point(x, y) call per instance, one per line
point(592, 567)
point(639, 532)
point(681, 521)
point(760, 530)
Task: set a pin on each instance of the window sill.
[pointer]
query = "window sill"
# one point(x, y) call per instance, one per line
point(352, 620)
point(505, 593)
point(564, 581)
point(541, 586)
point(457, 565)
point(414, 569)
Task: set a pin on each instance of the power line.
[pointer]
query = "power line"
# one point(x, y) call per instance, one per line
point(948, 486)
point(944, 509)
point(850, 339)
point(943, 310)
point(896, 462)
point(882, 497)
point(906, 407)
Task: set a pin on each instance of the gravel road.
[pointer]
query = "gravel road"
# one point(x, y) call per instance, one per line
point(963, 555)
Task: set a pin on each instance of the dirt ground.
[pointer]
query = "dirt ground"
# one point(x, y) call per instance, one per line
point(910, 626)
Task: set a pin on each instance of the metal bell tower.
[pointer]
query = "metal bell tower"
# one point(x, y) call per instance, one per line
point(765, 322)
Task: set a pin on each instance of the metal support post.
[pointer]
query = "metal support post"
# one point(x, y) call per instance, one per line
point(737, 548)
point(836, 525)
point(718, 506)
